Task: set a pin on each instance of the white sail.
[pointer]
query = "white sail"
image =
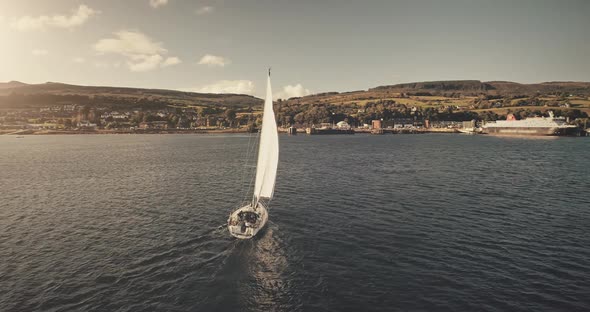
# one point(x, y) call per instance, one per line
point(248, 220)
point(268, 152)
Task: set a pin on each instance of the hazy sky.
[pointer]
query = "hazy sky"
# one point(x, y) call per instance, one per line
point(313, 46)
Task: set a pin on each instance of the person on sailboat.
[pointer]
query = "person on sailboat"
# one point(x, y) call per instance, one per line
point(251, 217)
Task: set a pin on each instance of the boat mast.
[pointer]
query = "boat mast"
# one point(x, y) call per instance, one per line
point(255, 198)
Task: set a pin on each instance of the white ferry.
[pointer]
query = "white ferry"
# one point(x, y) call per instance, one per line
point(530, 126)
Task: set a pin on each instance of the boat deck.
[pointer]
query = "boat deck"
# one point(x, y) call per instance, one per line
point(240, 227)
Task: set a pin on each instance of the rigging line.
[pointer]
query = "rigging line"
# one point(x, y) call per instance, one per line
point(223, 149)
point(245, 174)
point(250, 173)
point(254, 173)
point(244, 168)
point(256, 197)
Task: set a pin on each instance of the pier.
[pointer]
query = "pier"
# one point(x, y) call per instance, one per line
point(406, 131)
point(315, 131)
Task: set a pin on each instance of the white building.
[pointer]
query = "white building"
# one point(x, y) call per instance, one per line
point(343, 125)
point(86, 124)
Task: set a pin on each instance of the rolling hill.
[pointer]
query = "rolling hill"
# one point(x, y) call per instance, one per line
point(11, 85)
point(460, 88)
point(20, 95)
point(471, 95)
point(465, 93)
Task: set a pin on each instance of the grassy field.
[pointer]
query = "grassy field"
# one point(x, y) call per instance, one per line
point(361, 99)
point(505, 110)
point(581, 103)
point(418, 101)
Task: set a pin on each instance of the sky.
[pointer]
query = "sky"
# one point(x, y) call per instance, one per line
point(226, 46)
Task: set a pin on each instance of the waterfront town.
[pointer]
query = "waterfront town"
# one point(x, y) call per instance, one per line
point(448, 106)
point(72, 118)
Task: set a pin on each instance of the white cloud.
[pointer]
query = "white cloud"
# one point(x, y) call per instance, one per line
point(228, 86)
point(129, 42)
point(214, 60)
point(142, 53)
point(171, 61)
point(39, 52)
point(290, 91)
point(205, 10)
point(158, 3)
point(79, 60)
point(141, 63)
point(79, 17)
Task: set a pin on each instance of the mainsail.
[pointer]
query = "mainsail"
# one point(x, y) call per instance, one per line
point(268, 152)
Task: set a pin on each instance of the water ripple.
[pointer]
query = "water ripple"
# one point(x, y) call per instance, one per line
point(359, 223)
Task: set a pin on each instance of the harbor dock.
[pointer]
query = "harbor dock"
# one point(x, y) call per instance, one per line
point(315, 131)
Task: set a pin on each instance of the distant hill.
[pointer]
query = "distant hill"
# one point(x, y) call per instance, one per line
point(450, 89)
point(476, 87)
point(458, 85)
point(19, 95)
point(468, 93)
point(11, 84)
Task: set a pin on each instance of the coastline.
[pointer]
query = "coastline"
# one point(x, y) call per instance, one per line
point(106, 132)
point(20, 133)
point(191, 131)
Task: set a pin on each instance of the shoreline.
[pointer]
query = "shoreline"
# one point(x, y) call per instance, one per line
point(22, 133)
point(107, 132)
point(191, 131)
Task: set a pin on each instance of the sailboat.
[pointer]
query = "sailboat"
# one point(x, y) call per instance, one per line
point(246, 221)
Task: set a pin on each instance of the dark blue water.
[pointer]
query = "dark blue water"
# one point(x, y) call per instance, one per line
point(358, 223)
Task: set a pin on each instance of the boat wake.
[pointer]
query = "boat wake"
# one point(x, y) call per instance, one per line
point(256, 272)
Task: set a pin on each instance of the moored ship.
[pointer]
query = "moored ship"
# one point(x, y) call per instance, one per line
point(535, 126)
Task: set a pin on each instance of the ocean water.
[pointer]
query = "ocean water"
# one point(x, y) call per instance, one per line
point(358, 223)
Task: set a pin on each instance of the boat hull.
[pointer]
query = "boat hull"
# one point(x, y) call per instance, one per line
point(313, 131)
point(531, 131)
point(241, 222)
point(469, 130)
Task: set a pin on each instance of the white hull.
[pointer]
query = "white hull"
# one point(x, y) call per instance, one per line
point(469, 130)
point(242, 225)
